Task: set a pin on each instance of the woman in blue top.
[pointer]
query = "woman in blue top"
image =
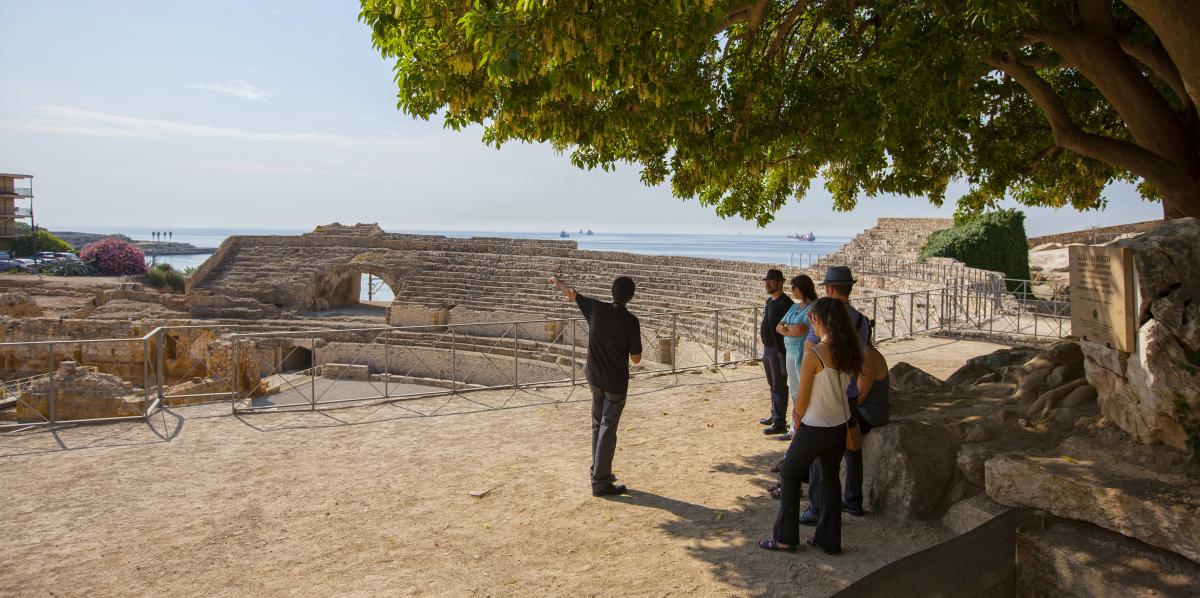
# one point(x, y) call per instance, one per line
point(794, 328)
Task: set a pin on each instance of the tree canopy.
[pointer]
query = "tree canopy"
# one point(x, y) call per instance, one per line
point(23, 246)
point(744, 104)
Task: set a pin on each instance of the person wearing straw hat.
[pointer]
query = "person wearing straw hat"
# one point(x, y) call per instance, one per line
point(774, 356)
point(614, 339)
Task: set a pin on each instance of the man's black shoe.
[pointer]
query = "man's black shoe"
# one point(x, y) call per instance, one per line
point(766, 421)
point(776, 429)
point(609, 490)
point(809, 518)
point(853, 510)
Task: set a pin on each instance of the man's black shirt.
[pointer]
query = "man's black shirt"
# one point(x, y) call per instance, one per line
point(773, 313)
point(613, 335)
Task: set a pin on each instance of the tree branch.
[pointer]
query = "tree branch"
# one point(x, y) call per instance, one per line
point(785, 29)
point(1158, 171)
point(1156, 60)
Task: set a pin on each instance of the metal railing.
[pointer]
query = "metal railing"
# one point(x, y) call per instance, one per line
point(313, 369)
point(43, 394)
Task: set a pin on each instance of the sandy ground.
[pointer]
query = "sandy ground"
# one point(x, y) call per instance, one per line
point(378, 500)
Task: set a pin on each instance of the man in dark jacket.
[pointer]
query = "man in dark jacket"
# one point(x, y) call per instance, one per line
point(614, 339)
point(777, 305)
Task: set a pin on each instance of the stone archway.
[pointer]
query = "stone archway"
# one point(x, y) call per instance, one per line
point(340, 286)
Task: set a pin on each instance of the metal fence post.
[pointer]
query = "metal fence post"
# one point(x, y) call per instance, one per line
point(387, 367)
point(312, 376)
point(574, 359)
point(911, 298)
point(454, 360)
point(52, 404)
point(146, 373)
point(237, 374)
point(674, 341)
point(516, 360)
point(754, 335)
point(716, 335)
point(893, 316)
point(162, 376)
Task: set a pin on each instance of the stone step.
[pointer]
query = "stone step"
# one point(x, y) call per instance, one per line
point(1102, 485)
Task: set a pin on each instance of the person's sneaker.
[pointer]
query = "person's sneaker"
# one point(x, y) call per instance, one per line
point(777, 429)
point(853, 510)
point(766, 421)
point(787, 436)
point(609, 490)
point(809, 518)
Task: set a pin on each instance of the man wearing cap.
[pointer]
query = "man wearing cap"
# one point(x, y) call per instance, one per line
point(614, 339)
point(777, 306)
point(839, 283)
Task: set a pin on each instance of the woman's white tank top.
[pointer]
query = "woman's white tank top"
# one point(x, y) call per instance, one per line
point(828, 407)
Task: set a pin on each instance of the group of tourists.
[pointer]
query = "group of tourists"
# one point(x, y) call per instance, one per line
point(819, 352)
point(818, 356)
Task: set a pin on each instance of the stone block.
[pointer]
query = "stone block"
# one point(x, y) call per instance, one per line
point(907, 468)
point(345, 371)
point(1072, 558)
point(971, 513)
point(1098, 485)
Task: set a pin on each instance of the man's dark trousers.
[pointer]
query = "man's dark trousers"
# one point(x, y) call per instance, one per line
point(606, 416)
point(777, 378)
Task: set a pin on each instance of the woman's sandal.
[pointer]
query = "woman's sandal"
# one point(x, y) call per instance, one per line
point(809, 540)
point(771, 544)
point(774, 490)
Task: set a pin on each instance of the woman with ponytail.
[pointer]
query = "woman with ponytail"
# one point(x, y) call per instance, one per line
point(821, 417)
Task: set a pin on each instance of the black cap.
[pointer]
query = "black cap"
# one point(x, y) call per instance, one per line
point(773, 274)
point(838, 275)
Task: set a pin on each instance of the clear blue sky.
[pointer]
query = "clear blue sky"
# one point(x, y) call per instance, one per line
point(281, 115)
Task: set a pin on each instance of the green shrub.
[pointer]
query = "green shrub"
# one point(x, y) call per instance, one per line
point(68, 268)
point(46, 241)
point(164, 276)
point(991, 241)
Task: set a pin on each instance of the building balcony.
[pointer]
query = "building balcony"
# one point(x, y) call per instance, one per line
point(16, 213)
point(17, 192)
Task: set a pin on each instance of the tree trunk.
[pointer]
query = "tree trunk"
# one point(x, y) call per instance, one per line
point(1182, 204)
point(1176, 23)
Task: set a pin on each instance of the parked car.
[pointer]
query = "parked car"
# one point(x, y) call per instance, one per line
point(7, 265)
point(70, 257)
point(4, 255)
point(28, 264)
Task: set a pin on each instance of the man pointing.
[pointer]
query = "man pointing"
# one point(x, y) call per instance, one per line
point(614, 339)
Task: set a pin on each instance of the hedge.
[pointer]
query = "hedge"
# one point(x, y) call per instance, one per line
point(990, 241)
point(46, 241)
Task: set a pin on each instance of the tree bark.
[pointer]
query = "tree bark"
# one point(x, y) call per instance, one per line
point(1176, 23)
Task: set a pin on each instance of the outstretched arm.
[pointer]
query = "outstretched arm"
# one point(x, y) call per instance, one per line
point(567, 291)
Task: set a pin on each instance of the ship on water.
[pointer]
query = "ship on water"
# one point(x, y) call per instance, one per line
point(808, 237)
point(590, 233)
point(564, 234)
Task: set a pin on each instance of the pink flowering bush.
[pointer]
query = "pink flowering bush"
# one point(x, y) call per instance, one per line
point(114, 257)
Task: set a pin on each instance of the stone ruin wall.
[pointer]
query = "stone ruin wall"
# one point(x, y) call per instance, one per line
point(1089, 236)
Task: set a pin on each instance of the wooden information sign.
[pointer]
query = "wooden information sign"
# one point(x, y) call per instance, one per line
point(1102, 297)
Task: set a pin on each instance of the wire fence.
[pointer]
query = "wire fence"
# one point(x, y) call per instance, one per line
point(84, 381)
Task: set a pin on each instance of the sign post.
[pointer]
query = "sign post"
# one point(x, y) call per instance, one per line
point(1102, 296)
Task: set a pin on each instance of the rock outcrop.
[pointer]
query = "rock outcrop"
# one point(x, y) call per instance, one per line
point(1103, 486)
point(18, 305)
point(908, 467)
point(75, 392)
point(1154, 392)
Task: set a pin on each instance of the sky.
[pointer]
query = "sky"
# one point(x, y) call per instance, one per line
point(281, 115)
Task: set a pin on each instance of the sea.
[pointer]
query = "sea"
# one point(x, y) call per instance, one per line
point(750, 247)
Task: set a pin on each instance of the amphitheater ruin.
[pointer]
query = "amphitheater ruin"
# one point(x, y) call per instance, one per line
point(1087, 435)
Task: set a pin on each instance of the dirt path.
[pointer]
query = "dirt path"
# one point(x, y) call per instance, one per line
point(378, 500)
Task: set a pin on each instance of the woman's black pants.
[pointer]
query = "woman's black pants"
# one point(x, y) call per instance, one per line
point(809, 444)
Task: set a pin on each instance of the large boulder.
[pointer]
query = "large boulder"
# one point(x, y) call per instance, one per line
point(1087, 482)
point(971, 513)
point(994, 362)
point(908, 467)
point(907, 378)
point(1153, 392)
